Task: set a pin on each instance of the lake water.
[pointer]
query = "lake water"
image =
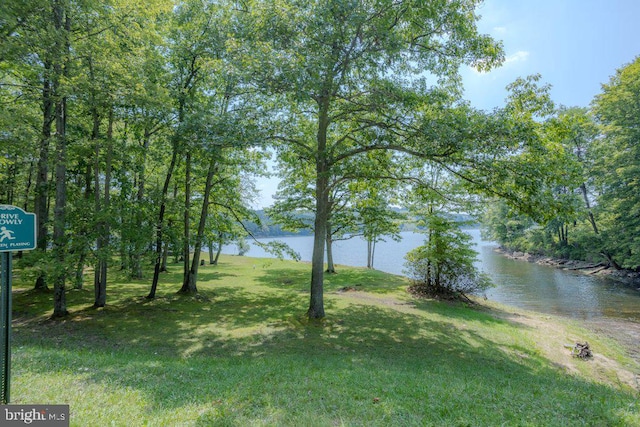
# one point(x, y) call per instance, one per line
point(522, 284)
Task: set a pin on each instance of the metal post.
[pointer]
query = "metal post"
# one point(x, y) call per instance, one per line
point(5, 326)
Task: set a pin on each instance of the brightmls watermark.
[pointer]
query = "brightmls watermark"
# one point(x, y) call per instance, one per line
point(34, 415)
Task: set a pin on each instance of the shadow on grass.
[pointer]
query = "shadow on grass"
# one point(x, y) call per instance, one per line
point(357, 278)
point(249, 356)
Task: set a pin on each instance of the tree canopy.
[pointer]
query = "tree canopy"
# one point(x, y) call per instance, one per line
point(135, 131)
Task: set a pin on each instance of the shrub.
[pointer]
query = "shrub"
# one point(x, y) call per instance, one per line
point(444, 265)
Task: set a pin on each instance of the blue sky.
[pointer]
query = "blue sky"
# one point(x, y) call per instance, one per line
point(576, 45)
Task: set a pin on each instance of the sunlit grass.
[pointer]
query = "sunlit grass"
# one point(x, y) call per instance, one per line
point(242, 353)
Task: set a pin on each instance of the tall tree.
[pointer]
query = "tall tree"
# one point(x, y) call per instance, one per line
point(61, 63)
point(188, 44)
point(618, 110)
point(348, 66)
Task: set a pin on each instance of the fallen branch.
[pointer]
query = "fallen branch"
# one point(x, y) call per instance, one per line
point(588, 266)
point(599, 269)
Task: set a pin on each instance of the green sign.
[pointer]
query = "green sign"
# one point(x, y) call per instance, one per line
point(17, 233)
point(17, 229)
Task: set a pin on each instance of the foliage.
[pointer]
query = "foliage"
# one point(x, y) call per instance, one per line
point(243, 246)
point(593, 209)
point(134, 131)
point(618, 163)
point(444, 265)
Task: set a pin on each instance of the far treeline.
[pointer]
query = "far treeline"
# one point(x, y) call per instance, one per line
point(136, 130)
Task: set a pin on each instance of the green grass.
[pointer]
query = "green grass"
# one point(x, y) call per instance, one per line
point(242, 353)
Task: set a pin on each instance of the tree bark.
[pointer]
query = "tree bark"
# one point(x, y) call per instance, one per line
point(592, 220)
point(210, 247)
point(100, 282)
point(371, 245)
point(84, 249)
point(163, 206)
point(219, 250)
point(139, 244)
point(189, 285)
point(42, 177)
point(331, 268)
point(186, 242)
point(316, 302)
point(63, 24)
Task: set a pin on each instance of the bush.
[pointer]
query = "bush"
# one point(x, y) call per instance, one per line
point(243, 246)
point(444, 265)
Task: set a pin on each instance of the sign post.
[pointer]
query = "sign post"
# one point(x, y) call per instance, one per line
point(17, 233)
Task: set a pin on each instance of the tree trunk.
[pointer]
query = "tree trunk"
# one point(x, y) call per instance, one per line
point(373, 253)
point(316, 302)
point(42, 177)
point(63, 24)
point(160, 258)
point(189, 285)
point(585, 196)
point(27, 190)
point(219, 251)
point(83, 231)
point(100, 282)
point(139, 244)
point(330, 266)
point(165, 255)
point(210, 247)
point(369, 253)
point(186, 242)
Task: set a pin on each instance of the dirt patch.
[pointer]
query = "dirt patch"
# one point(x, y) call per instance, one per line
point(626, 333)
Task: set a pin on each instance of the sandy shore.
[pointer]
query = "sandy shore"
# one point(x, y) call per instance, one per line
point(625, 332)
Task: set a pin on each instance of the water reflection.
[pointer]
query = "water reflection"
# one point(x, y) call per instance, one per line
point(518, 283)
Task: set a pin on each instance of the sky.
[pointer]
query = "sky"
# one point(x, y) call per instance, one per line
point(575, 45)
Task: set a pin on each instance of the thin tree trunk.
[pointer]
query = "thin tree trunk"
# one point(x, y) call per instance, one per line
point(100, 283)
point(165, 253)
point(27, 190)
point(585, 196)
point(160, 259)
point(373, 253)
point(189, 284)
point(136, 261)
point(186, 243)
point(42, 176)
point(210, 247)
point(79, 278)
point(331, 268)
point(218, 252)
point(62, 23)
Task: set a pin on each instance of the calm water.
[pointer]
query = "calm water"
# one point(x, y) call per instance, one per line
point(522, 284)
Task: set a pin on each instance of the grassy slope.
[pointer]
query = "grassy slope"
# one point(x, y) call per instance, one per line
point(241, 353)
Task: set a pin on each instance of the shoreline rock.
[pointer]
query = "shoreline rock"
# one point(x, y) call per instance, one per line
point(627, 277)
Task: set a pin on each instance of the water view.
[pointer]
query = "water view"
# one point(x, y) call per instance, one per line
point(521, 284)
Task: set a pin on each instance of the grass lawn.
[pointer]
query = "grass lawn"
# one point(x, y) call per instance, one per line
point(241, 353)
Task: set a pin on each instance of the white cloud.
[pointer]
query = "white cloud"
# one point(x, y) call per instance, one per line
point(519, 56)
